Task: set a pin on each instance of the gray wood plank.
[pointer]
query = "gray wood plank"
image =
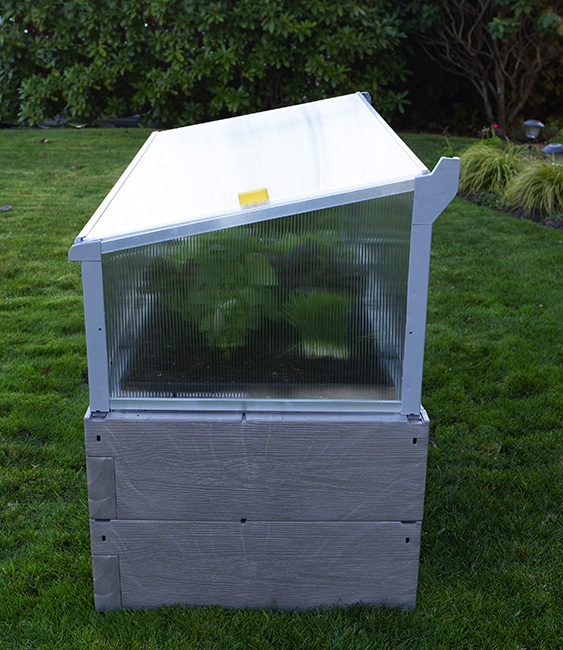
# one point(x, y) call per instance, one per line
point(262, 564)
point(264, 466)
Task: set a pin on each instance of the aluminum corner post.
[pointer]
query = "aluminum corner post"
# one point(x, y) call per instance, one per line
point(432, 193)
point(96, 347)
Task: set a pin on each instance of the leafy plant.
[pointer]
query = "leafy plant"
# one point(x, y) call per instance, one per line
point(491, 200)
point(221, 283)
point(228, 283)
point(321, 318)
point(488, 167)
point(315, 259)
point(490, 136)
point(538, 188)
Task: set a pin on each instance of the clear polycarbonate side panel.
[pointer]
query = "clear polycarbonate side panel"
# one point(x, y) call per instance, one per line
point(310, 306)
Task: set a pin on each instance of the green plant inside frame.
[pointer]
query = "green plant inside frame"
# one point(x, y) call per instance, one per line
point(228, 284)
point(304, 306)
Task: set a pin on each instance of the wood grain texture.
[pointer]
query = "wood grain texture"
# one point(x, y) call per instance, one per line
point(262, 564)
point(280, 467)
point(101, 488)
point(107, 582)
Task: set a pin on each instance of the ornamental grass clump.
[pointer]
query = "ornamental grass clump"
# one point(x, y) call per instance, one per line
point(537, 189)
point(488, 167)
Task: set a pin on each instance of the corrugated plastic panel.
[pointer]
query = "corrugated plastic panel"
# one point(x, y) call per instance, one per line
point(296, 153)
point(309, 306)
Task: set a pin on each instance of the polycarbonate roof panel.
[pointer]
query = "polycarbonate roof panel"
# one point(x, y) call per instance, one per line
point(300, 152)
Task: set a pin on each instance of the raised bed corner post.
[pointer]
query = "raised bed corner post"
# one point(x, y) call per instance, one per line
point(432, 193)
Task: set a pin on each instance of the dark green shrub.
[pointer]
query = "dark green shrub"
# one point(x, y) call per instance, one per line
point(184, 61)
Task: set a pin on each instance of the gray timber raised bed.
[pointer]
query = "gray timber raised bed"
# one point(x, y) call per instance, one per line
point(293, 510)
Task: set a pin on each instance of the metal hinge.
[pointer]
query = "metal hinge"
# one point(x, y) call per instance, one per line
point(98, 414)
point(414, 417)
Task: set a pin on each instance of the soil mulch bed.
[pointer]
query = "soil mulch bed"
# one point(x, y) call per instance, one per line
point(536, 217)
point(556, 224)
point(204, 369)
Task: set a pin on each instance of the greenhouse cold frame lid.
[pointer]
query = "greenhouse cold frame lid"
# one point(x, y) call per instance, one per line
point(329, 215)
point(265, 165)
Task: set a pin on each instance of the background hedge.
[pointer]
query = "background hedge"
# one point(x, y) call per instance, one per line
point(185, 61)
point(191, 60)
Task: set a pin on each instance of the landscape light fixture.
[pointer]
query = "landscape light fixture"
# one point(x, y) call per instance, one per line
point(555, 151)
point(533, 128)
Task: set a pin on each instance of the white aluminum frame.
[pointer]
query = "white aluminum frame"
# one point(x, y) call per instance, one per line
point(93, 250)
point(96, 338)
point(432, 194)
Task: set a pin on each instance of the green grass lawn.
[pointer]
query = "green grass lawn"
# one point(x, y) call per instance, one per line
point(491, 569)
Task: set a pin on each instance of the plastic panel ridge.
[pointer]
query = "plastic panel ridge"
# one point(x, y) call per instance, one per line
point(309, 306)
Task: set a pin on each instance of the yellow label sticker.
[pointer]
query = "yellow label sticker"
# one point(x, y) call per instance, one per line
point(253, 196)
